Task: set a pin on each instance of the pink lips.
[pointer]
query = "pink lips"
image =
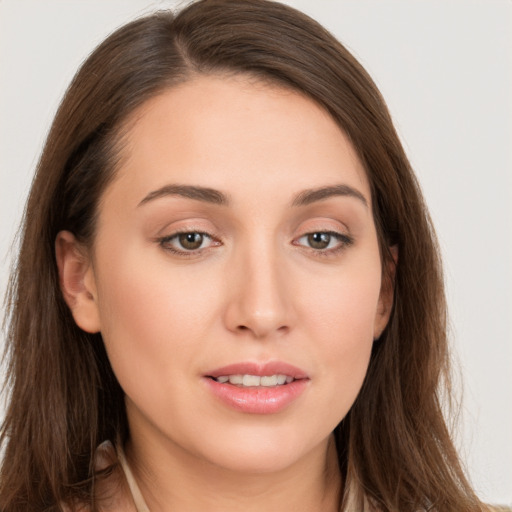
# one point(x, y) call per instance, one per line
point(258, 400)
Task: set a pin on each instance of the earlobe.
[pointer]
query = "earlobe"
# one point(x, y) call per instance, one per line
point(386, 293)
point(77, 283)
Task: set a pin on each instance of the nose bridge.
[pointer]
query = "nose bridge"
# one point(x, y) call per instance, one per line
point(260, 302)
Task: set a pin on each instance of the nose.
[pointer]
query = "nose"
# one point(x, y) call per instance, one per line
point(259, 299)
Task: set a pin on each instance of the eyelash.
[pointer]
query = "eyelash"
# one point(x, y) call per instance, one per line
point(343, 240)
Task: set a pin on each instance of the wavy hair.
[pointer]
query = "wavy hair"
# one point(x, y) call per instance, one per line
point(394, 447)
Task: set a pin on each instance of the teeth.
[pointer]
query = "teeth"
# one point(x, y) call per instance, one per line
point(236, 379)
point(269, 381)
point(281, 379)
point(255, 380)
point(251, 380)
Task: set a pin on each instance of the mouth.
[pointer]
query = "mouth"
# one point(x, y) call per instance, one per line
point(258, 389)
point(254, 381)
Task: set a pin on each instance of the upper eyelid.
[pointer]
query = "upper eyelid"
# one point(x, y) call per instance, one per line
point(186, 231)
point(321, 227)
point(192, 224)
point(321, 221)
point(169, 232)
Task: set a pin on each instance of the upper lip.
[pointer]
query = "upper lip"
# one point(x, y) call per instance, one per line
point(259, 369)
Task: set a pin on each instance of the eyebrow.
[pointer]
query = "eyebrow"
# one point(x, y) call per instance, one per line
point(208, 195)
point(213, 196)
point(309, 196)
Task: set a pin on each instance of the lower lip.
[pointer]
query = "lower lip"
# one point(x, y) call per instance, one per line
point(258, 400)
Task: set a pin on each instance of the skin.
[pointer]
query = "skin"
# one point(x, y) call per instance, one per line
point(256, 290)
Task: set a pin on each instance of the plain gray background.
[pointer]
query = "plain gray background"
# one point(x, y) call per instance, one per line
point(445, 69)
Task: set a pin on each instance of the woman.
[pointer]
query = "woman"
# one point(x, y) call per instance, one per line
point(217, 303)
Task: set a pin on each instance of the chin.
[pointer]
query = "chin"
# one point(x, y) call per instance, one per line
point(260, 452)
point(257, 461)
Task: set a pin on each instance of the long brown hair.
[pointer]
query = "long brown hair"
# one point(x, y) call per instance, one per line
point(394, 447)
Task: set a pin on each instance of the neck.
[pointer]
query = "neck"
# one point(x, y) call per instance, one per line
point(171, 479)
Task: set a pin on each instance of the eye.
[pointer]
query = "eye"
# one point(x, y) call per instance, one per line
point(191, 241)
point(324, 241)
point(187, 242)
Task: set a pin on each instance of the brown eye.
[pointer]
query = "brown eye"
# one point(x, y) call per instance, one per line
point(319, 240)
point(187, 243)
point(191, 241)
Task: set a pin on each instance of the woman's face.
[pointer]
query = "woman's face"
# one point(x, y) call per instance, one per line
point(236, 249)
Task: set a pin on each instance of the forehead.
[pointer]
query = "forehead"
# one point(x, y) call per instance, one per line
point(231, 132)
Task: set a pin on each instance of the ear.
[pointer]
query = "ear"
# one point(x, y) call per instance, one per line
point(77, 281)
point(386, 294)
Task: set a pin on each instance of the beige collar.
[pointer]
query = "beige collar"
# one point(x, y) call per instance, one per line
point(138, 499)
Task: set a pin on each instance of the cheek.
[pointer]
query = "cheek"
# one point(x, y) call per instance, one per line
point(339, 315)
point(152, 318)
point(344, 305)
point(140, 290)
point(348, 339)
